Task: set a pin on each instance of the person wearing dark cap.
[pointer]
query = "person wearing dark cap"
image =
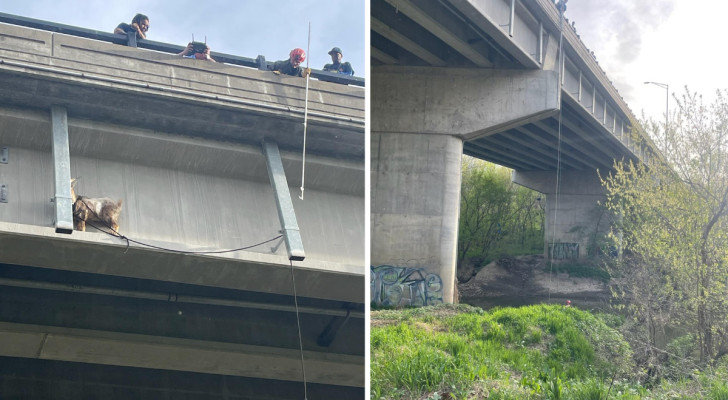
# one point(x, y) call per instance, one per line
point(139, 24)
point(337, 66)
point(292, 66)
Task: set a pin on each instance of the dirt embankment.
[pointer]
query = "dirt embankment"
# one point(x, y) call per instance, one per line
point(528, 280)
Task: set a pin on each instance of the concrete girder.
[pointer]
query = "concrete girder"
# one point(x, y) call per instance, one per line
point(407, 44)
point(514, 137)
point(93, 253)
point(601, 142)
point(468, 103)
point(442, 32)
point(548, 162)
point(599, 159)
point(135, 350)
point(382, 56)
point(503, 154)
point(478, 151)
point(553, 144)
point(580, 113)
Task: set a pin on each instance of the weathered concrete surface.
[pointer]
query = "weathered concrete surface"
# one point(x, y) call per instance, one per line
point(574, 216)
point(467, 103)
point(415, 197)
point(131, 350)
point(244, 270)
point(136, 87)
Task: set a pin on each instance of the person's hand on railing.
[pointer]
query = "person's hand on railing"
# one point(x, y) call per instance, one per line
point(139, 30)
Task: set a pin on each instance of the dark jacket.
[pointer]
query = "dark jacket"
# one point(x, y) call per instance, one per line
point(340, 68)
point(285, 67)
point(127, 28)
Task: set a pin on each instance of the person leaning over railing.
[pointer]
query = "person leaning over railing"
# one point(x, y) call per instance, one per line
point(292, 66)
point(337, 66)
point(139, 24)
point(197, 50)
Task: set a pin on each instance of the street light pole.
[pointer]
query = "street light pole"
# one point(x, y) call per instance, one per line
point(667, 100)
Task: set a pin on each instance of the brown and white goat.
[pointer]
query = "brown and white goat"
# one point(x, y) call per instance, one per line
point(97, 209)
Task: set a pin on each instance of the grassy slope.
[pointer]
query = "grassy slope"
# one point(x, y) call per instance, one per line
point(533, 352)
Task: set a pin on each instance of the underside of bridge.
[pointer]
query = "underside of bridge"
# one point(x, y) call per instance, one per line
point(483, 78)
point(75, 335)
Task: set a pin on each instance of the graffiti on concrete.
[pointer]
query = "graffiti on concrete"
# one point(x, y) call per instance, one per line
point(404, 286)
point(564, 251)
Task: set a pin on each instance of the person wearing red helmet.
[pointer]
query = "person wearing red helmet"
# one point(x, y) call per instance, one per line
point(292, 66)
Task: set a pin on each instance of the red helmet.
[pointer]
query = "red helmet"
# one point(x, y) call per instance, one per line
point(298, 55)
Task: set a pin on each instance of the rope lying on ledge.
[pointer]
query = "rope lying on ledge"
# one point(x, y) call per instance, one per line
point(115, 233)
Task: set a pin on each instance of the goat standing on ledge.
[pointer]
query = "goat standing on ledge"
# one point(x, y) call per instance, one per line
point(101, 209)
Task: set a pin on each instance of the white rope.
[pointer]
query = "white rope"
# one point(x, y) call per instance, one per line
point(305, 114)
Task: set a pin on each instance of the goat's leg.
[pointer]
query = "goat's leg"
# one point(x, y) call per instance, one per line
point(81, 225)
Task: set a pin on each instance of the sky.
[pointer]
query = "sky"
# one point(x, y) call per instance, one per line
point(676, 42)
point(246, 28)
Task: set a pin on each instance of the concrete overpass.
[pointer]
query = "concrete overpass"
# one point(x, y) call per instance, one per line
point(483, 78)
point(200, 153)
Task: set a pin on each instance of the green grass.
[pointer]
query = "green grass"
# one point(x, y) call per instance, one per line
point(531, 352)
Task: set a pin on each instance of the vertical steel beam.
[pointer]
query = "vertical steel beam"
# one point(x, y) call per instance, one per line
point(580, 77)
point(540, 42)
point(512, 18)
point(286, 214)
point(61, 171)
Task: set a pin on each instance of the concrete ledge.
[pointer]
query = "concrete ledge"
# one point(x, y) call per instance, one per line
point(102, 254)
point(132, 350)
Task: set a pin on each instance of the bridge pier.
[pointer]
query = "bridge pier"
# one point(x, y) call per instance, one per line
point(415, 193)
point(421, 117)
point(575, 220)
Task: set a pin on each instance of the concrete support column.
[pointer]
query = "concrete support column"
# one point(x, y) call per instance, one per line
point(573, 220)
point(415, 203)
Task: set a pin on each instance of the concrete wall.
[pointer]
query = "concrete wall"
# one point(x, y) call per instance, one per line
point(191, 193)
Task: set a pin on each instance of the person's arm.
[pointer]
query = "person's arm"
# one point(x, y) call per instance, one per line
point(119, 30)
point(187, 50)
point(139, 30)
point(346, 69)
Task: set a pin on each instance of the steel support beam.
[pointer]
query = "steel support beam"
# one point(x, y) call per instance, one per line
point(286, 214)
point(61, 171)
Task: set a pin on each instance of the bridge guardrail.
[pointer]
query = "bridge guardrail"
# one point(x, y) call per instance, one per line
point(259, 62)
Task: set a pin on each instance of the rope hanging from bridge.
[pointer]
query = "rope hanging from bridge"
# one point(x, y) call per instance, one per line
point(300, 340)
point(305, 112)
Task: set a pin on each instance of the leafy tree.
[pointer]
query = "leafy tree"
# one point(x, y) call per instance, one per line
point(495, 214)
point(672, 222)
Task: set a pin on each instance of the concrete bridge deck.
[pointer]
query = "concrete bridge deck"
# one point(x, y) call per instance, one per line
point(179, 141)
